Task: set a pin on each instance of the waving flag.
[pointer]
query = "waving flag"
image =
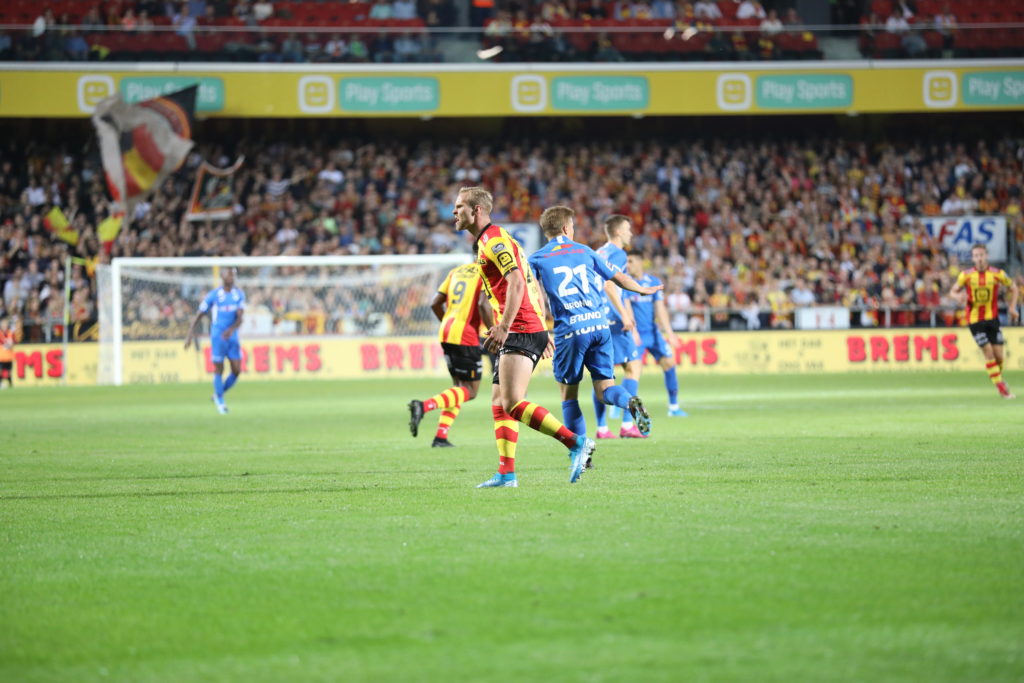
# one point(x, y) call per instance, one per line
point(213, 196)
point(141, 144)
point(57, 223)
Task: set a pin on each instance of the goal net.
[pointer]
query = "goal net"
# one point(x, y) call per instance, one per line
point(147, 304)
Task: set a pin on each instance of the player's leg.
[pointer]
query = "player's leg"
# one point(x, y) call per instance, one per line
point(7, 373)
point(631, 383)
point(667, 361)
point(462, 364)
point(515, 366)
point(448, 415)
point(506, 437)
point(599, 363)
point(234, 356)
point(998, 357)
point(567, 365)
point(218, 351)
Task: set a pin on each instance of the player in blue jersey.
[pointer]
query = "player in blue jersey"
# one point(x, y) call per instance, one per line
point(651, 314)
point(619, 231)
point(225, 305)
point(572, 276)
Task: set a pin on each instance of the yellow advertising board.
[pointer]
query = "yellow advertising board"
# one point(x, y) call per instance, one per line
point(703, 353)
point(440, 90)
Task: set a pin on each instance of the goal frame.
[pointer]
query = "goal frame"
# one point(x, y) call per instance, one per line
point(119, 264)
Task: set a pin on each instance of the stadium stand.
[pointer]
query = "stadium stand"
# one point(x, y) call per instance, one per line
point(731, 228)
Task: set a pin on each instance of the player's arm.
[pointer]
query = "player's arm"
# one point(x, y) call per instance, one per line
point(239, 314)
point(623, 309)
point(190, 338)
point(1012, 303)
point(437, 305)
point(516, 288)
point(483, 305)
point(662, 320)
point(957, 290)
point(626, 282)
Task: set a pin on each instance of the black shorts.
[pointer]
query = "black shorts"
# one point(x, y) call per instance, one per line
point(987, 332)
point(7, 365)
point(463, 361)
point(529, 344)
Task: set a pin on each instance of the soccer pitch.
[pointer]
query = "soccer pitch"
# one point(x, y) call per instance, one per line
point(824, 527)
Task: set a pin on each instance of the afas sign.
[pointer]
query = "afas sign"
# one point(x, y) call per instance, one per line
point(959, 233)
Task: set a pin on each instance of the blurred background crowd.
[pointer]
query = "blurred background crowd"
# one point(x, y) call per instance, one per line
point(742, 231)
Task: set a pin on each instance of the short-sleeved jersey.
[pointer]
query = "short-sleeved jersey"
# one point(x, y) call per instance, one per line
point(573, 276)
point(643, 304)
point(498, 254)
point(616, 257)
point(461, 321)
point(982, 292)
point(223, 307)
point(6, 346)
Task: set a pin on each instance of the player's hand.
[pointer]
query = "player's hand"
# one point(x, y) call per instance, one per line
point(189, 340)
point(628, 324)
point(1014, 315)
point(549, 350)
point(636, 337)
point(226, 335)
point(652, 290)
point(496, 337)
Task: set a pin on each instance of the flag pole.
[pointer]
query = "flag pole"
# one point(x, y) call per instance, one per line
point(67, 320)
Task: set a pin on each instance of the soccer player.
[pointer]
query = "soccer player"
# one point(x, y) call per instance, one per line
point(622, 326)
point(6, 353)
point(981, 284)
point(457, 307)
point(225, 305)
point(518, 338)
point(650, 313)
point(572, 276)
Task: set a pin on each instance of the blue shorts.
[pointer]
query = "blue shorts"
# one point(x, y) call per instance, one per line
point(221, 348)
point(654, 343)
point(592, 351)
point(625, 349)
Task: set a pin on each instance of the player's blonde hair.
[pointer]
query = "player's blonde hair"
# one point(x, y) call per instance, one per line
point(554, 219)
point(477, 196)
point(612, 223)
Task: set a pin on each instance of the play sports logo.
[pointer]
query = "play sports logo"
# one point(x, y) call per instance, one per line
point(734, 92)
point(940, 89)
point(92, 89)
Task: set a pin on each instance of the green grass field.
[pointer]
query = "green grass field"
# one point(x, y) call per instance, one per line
point(793, 528)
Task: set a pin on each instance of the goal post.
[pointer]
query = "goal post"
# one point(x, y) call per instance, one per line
point(143, 301)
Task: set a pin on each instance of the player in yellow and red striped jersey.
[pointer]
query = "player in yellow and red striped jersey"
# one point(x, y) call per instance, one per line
point(519, 338)
point(460, 308)
point(982, 285)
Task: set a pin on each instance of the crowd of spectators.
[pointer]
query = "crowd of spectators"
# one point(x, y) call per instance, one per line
point(746, 231)
point(537, 30)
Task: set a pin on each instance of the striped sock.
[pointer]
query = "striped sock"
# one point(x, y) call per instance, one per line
point(445, 421)
point(449, 398)
point(994, 371)
point(506, 433)
point(537, 417)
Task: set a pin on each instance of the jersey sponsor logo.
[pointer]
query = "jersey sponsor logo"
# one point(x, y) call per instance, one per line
point(498, 247)
point(573, 305)
point(584, 330)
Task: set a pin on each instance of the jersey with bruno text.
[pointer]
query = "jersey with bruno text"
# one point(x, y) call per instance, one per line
point(223, 307)
point(616, 257)
point(461, 321)
point(982, 292)
point(573, 276)
point(498, 254)
point(643, 305)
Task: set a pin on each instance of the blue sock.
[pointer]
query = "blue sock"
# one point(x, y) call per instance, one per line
point(573, 418)
point(617, 396)
point(631, 386)
point(599, 411)
point(230, 381)
point(218, 385)
point(672, 386)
